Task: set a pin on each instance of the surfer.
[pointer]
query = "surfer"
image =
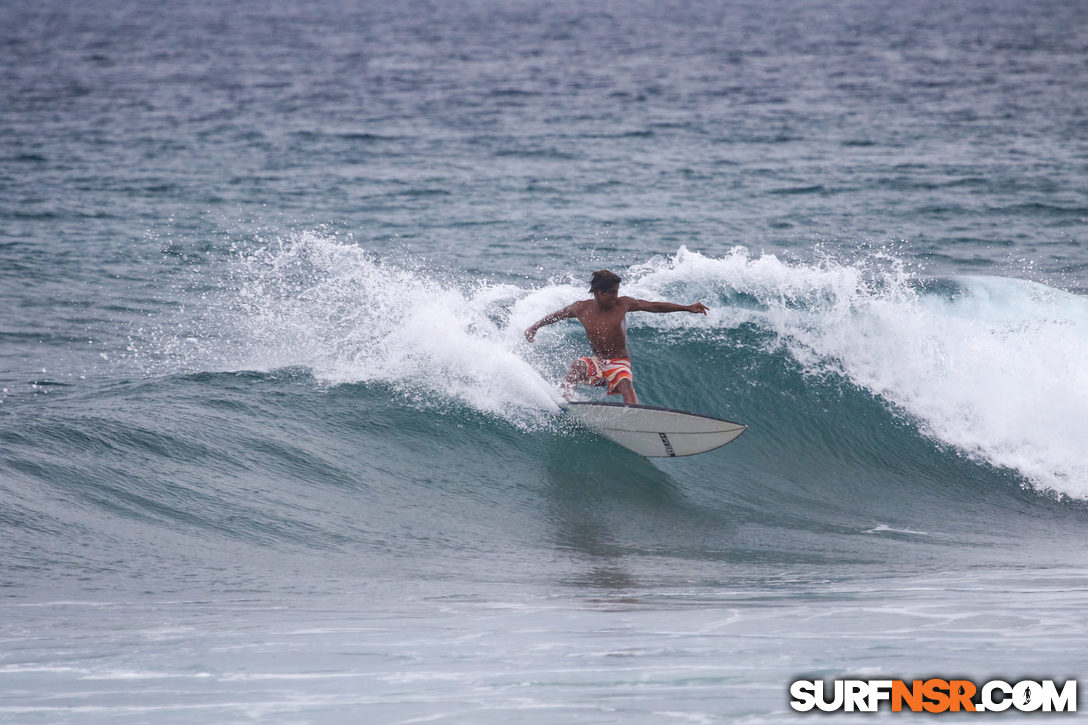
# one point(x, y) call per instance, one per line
point(604, 318)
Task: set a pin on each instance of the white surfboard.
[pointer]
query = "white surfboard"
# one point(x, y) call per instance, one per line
point(655, 432)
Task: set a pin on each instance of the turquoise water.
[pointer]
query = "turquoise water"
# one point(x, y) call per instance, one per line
point(273, 449)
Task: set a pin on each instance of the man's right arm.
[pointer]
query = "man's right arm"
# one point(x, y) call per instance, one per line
point(564, 314)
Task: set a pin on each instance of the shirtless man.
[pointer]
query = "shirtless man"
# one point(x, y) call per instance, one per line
point(604, 318)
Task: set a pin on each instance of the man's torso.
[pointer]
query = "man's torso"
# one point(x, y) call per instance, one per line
point(606, 329)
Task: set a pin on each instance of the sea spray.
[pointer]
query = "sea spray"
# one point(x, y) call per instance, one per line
point(334, 308)
point(325, 305)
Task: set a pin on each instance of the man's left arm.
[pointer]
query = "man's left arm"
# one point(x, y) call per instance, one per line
point(646, 306)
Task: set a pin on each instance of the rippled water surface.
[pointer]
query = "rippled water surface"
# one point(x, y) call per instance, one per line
point(273, 448)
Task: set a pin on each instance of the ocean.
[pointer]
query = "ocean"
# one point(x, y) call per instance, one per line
point(274, 449)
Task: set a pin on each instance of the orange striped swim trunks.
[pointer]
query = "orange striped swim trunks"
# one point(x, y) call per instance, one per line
point(604, 371)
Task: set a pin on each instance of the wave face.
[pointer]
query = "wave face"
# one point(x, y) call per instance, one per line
point(329, 404)
point(312, 403)
point(989, 368)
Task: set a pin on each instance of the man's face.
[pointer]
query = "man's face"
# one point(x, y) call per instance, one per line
point(607, 298)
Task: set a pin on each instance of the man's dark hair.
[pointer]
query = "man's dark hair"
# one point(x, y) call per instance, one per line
point(603, 280)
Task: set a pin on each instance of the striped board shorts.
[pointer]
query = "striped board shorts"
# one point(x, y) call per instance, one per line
point(604, 371)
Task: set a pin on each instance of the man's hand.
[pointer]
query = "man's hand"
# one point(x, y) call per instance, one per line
point(698, 307)
point(530, 334)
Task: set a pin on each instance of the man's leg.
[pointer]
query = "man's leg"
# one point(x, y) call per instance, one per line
point(579, 373)
point(627, 390)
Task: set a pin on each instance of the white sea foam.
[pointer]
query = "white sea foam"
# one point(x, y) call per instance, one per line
point(885, 529)
point(994, 367)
